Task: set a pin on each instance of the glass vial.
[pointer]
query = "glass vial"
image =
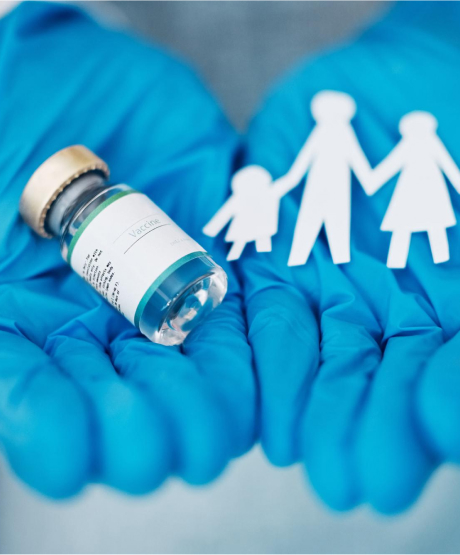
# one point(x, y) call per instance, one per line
point(123, 245)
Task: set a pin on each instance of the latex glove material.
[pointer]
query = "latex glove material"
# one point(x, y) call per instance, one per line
point(83, 396)
point(341, 351)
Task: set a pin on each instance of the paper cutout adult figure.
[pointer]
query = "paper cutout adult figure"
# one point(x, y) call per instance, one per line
point(421, 200)
point(252, 209)
point(330, 154)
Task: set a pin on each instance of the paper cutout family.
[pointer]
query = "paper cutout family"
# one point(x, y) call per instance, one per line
point(420, 201)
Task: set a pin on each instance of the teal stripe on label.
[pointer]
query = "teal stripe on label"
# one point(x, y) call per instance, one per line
point(91, 217)
point(151, 290)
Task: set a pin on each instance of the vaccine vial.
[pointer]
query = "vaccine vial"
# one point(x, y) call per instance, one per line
point(123, 245)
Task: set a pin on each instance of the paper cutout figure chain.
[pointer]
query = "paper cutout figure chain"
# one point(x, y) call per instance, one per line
point(420, 201)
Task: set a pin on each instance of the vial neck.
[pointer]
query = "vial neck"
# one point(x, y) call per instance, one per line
point(71, 198)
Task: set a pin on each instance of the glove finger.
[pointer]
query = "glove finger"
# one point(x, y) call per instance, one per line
point(130, 435)
point(221, 353)
point(283, 332)
point(350, 355)
point(44, 421)
point(438, 401)
point(57, 298)
point(395, 461)
point(199, 430)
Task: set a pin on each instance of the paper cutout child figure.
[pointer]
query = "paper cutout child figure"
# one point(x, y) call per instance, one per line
point(253, 210)
point(330, 154)
point(421, 200)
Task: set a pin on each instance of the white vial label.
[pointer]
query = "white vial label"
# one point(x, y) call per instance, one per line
point(126, 248)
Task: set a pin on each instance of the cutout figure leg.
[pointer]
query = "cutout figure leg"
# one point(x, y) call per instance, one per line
point(439, 244)
point(236, 250)
point(338, 236)
point(264, 244)
point(307, 229)
point(399, 249)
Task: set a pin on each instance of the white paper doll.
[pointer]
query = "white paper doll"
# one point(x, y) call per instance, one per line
point(253, 210)
point(330, 154)
point(421, 200)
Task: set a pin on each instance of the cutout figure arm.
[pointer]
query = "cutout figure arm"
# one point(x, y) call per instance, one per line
point(299, 168)
point(360, 165)
point(389, 167)
point(447, 164)
point(220, 218)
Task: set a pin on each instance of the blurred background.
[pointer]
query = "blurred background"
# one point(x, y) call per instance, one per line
point(239, 49)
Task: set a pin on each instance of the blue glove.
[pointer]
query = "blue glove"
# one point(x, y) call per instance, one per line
point(84, 397)
point(341, 351)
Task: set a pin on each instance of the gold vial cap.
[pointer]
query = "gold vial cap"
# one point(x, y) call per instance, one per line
point(51, 178)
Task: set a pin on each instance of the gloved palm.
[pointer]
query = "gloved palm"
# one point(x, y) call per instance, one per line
point(357, 363)
point(83, 396)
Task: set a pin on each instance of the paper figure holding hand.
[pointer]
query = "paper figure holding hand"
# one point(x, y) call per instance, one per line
point(252, 209)
point(421, 200)
point(330, 154)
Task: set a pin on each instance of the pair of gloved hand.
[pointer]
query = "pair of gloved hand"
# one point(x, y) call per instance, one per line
point(352, 369)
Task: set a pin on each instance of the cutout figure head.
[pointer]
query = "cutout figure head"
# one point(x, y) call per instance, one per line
point(251, 176)
point(333, 106)
point(417, 123)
